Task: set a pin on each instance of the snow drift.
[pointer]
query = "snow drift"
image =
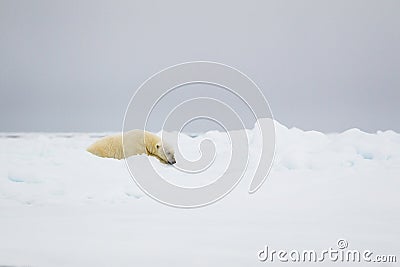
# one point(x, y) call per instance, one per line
point(45, 168)
point(60, 206)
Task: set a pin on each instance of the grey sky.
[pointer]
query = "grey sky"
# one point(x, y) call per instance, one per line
point(323, 65)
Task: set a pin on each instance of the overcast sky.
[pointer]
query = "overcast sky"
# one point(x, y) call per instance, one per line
point(323, 65)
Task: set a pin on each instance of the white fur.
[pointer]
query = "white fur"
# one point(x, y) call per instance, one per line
point(135, 142)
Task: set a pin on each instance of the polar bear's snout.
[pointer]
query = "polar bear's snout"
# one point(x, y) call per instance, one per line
point(171, 160)
point(167, 153)
point(170, 157)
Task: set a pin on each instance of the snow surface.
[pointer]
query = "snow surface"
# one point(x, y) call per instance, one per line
point(61, 206)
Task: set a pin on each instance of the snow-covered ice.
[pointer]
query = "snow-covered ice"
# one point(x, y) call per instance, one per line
point(61, 206)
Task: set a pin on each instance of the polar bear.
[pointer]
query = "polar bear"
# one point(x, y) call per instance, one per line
point(135, 142)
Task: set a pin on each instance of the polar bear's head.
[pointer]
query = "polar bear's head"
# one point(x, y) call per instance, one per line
point(165, 153)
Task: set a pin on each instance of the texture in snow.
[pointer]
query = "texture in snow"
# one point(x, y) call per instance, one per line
point(61, 206)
